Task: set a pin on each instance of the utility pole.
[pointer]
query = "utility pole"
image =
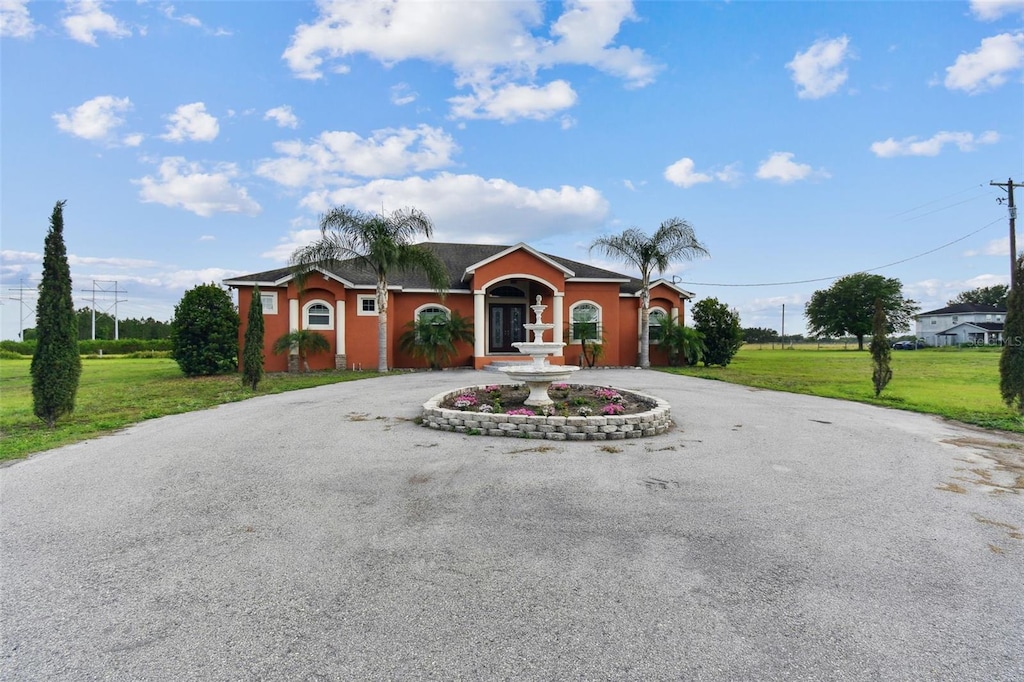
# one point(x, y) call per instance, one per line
point(783, 326)
point(20, 298)
point(1008, 188)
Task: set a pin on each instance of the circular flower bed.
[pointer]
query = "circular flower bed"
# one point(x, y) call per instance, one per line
point(579, 413)
point(570, 400)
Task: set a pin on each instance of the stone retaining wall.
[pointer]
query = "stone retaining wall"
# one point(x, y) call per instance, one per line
point(650, 423)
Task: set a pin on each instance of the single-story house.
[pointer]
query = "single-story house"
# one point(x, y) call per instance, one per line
point(961, 323)
point(490, 284)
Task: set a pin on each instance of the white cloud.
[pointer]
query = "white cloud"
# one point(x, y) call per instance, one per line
point(402, 94)
point(730, 174)
point(187, 19)
point(933, 293)
point(990, 10)
point(781, 168)
point(819, 71)
point(493, 47)
point(987, 67)
point(191, 122)
point(475, 209)
point(111, 262)
point(187, 279)
point(283, 116)
point(97, 119)
point(84, 19)
point(207, 238)
point(912, 146)
point(15, 20)
point(996, 247)
point(335, 155)
point(187, 185)
point(296, 239)
point(8, 255)
point(512, 102)
point(681, 173)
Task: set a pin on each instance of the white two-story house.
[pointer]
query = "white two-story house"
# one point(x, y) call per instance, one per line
point(961, 323)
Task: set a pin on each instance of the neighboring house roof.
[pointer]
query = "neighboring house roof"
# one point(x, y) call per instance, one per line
point(965, 308)
point(460, 260)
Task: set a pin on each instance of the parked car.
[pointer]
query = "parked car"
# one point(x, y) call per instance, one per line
point(908, 345)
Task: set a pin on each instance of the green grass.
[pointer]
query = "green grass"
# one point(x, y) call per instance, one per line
point(959, 384)
point(116, 392)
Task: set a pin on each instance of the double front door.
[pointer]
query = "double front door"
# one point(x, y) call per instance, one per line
point(506, 327)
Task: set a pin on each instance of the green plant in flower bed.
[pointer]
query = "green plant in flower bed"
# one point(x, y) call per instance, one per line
point(570, 400)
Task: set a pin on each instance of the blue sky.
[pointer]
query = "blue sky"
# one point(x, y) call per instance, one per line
point(196, 141)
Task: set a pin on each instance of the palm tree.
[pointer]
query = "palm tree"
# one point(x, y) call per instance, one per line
point(685, 345)
point(433, 338)
point(674, 240)
point(305, 342)
point(383, 242)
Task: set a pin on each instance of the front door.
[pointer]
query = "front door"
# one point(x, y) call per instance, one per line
point(506, 327)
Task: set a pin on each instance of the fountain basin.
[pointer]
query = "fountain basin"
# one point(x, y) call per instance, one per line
point(538, 377)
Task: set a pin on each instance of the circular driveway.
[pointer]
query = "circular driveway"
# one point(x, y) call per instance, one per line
point(322, 535)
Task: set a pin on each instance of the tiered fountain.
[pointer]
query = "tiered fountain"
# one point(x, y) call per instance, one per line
point(539, 374)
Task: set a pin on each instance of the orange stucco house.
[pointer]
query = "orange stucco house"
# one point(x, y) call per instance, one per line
point(490, 284)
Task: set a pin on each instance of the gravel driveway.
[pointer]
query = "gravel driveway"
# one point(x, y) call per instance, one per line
point(323, 535)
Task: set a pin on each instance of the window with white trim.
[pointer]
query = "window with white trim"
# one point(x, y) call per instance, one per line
point(366, 304)
point(269, 301)
point(585, 322)
point(318, 315)
point(655, 320)
point(434, 314)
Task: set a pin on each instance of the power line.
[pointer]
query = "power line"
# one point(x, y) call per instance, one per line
point(935, 201)
point(824, 279)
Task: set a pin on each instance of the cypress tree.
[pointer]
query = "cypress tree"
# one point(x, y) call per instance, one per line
point(252, 354)
point(56, 365)
point(880, 352)
point(1011, 362)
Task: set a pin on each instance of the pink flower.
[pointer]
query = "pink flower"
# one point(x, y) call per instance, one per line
point(522, 411)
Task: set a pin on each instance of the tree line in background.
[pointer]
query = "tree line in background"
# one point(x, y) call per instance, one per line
point(127, 328)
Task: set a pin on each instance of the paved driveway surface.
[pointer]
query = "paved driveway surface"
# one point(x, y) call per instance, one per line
point(321, 534)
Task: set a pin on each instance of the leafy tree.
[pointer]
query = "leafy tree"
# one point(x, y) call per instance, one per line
point(56, 366)
point(382, 242)
point(759, 335)
point(847, 307)
point(720, 328)
point(306, 343)
point(996, 295)
point(880, 351)
point(1011, 362)
point(674, 240)
point(433, 338)
point(252, 353)
point(204, 332)
point(685, 345)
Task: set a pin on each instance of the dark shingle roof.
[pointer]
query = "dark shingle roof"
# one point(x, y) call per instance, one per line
point(964, 308)
point(456, 258)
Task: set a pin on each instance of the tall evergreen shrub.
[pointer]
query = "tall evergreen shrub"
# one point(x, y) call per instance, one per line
point(1011, 363)
point(880, 351)
point(56, 365)
point(252, 353)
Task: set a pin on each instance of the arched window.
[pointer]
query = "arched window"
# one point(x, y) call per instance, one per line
point(318, 315)
point(430, 314)
point(655, 322)
point(435, 313)
point(585, 322)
